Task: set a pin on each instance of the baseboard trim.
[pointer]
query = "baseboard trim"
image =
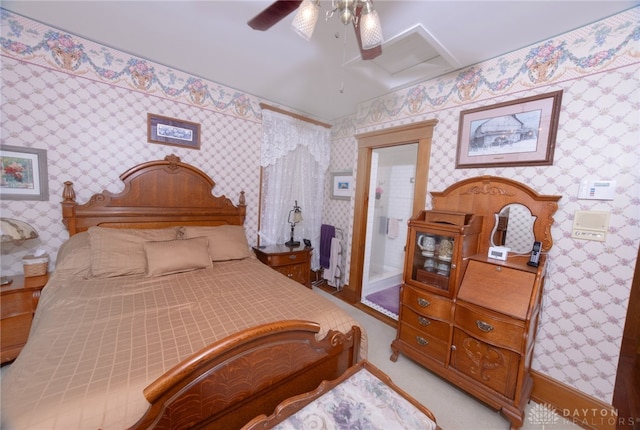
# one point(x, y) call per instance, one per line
point(573, 405)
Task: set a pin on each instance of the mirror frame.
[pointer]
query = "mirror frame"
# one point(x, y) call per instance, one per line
point(487, 195)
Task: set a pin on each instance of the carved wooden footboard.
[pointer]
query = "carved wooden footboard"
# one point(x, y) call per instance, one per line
point(247, 374)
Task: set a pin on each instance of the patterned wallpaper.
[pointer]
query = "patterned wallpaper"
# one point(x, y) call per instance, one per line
point(588, 283)
point(86, 104)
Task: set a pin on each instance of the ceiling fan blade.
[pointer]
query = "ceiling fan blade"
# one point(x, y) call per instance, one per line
point(273, 14)
point(367, 54)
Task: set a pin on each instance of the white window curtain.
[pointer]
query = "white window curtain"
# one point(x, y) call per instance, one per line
point(294, 159)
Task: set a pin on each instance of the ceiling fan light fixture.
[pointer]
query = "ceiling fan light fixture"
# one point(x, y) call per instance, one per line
point(306, 18)
point(370, 28)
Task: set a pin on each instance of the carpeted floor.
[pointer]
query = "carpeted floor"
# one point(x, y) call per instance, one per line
point(454, 409)
point(388, 298)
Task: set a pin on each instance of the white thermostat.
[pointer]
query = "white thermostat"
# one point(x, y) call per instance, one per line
point(597, 190)
point(498, 252)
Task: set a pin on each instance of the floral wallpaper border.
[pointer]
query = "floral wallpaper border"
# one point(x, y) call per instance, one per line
point(42, 45)
point(608, 44)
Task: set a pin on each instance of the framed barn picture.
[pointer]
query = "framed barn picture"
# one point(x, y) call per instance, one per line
point(515, 133)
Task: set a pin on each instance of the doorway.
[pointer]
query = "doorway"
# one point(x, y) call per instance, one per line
point(420, 134)
point(391, 187)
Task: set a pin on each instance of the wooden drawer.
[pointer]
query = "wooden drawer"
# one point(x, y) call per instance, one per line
point(297, 272)
point(499, 330)
point(14, 332)
point(424, 343)
point(496, 368)
point(426, 304)
point(282, 260)
point(15, 324)
point(17, 302)
point(434, 328)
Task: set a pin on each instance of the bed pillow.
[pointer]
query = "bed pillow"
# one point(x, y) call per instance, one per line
point(175, 256)
point(226, 242)
point(75, 255)
point(120, 252)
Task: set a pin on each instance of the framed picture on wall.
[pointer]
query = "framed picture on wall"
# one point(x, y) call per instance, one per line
point(23, 173)
point(172, 131)
point(516, 133)
point(342, 185)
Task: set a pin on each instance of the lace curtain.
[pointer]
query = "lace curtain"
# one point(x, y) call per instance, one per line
point(294, 159)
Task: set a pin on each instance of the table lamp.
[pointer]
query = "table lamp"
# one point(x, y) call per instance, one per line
point(295, 216)
point(14, 231)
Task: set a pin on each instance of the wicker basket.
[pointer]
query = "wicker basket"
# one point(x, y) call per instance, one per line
point(35, 266)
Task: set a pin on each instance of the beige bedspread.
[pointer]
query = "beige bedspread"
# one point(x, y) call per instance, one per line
point(97, 343)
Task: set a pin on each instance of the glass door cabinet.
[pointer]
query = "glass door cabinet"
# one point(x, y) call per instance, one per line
point(438, 243)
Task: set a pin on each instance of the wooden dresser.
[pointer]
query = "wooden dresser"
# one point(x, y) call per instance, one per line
point(466, 317)
point(294, 263)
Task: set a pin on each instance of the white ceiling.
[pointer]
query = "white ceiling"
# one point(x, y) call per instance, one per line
point(211, 39)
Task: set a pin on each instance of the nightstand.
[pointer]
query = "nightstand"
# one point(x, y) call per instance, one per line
point(18, 302)
point(294, 263)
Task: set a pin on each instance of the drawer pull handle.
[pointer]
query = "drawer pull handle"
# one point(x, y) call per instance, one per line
point(292, 257)
point(423, 302)
point(423, 321)
point(485, 327)
point(422, 341)
point(290, 275)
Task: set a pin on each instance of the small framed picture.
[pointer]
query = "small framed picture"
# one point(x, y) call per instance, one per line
point(172, 131)
point(342, 185)
point(516, 133)
point(23, 173)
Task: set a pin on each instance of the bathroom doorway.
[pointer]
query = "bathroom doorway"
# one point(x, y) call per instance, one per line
point(391, 189)
point(417, 133)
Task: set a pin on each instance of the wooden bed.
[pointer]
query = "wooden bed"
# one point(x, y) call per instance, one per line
point(231, 381)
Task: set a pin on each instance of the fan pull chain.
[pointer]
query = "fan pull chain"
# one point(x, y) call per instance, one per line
point(344, 55)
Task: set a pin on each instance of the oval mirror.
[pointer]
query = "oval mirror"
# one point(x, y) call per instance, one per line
point(513, 228)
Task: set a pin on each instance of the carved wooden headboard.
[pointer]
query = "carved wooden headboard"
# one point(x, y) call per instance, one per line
point(487, 195)
point(156, 194)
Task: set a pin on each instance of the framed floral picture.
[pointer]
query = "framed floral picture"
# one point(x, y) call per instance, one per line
point(515, 133)
point(23, 173)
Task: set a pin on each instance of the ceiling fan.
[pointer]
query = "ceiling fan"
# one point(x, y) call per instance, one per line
point(359, 12)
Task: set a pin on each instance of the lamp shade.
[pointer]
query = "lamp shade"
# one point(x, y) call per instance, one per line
point(370, 28)
point(12, 230)
point(305, 20)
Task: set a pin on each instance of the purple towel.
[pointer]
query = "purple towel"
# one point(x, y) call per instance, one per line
point(327, 232)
